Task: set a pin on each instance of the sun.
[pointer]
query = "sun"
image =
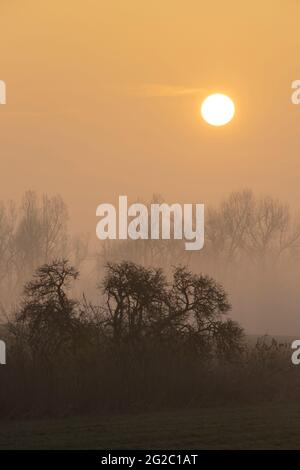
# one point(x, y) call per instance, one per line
point(217, 109)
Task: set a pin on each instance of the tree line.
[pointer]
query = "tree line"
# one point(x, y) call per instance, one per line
point(243, 231)
point(150, 342)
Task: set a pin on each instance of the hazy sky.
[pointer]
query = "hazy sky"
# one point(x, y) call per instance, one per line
point(95, 104)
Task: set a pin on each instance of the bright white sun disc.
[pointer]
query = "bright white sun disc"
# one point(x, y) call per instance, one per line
point(217, 109)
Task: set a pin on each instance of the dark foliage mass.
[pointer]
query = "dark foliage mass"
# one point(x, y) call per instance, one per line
point(142, 307)
point(149, 343)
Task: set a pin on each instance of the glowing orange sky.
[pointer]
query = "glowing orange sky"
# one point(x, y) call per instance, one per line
point(95, 109)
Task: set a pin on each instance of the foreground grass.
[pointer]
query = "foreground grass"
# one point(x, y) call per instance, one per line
point(251, 427)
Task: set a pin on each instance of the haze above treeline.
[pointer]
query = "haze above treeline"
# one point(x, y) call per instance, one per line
point(251, 247)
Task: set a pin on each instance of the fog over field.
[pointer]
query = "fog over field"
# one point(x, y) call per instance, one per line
point(251, 247)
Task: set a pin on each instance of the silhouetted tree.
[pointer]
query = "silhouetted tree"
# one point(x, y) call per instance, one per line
point(47, 319)
point(135, 297)
point(140, 304)
point(198, 305)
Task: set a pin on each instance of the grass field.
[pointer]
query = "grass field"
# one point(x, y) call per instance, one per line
point(252, 427)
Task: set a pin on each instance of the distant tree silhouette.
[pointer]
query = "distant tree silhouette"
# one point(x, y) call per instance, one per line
point(41, 234)
point(160, 253)
point(255, 228)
